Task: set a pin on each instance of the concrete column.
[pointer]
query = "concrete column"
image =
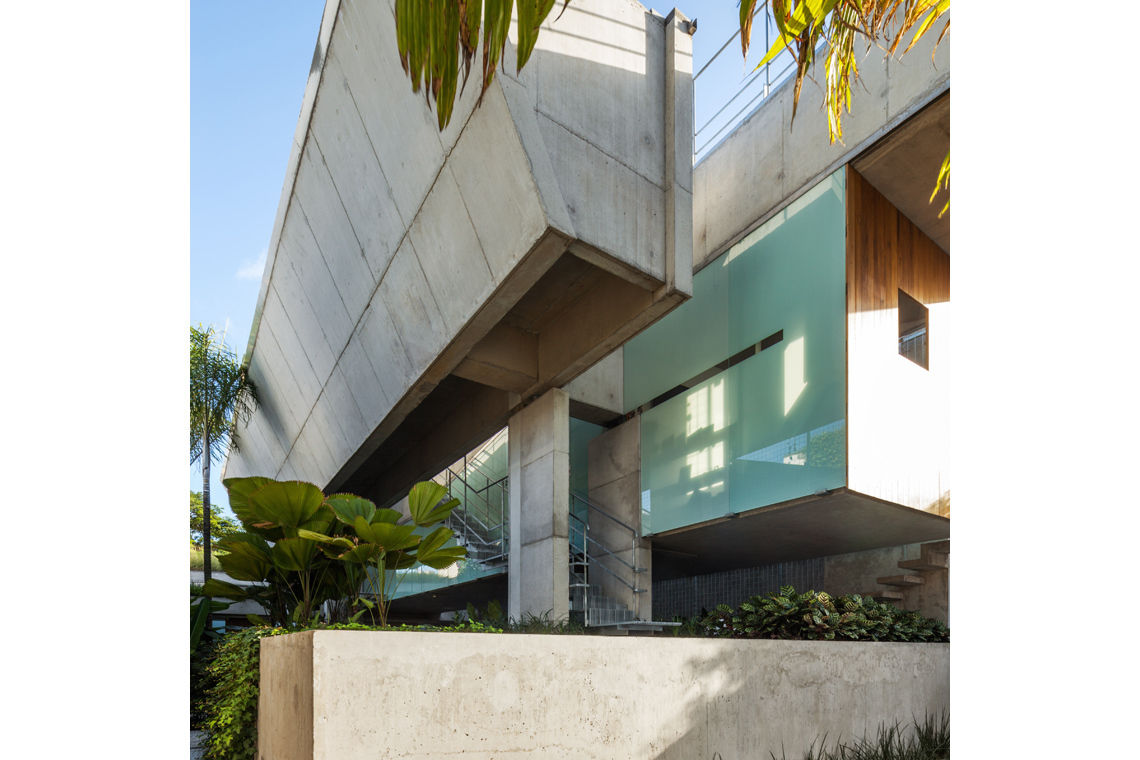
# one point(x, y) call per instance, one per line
point(615, 485)
point(539, 453)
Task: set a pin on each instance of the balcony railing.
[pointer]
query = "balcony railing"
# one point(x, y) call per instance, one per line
point(727, 90)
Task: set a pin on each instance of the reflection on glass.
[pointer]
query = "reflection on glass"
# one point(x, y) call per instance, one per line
point(771, 427)
point(793, 373)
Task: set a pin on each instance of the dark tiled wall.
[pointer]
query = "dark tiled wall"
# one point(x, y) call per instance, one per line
point(685, 597)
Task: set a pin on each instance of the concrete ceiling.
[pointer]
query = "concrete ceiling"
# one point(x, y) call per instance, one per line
point(840, 522)
point(904, 165)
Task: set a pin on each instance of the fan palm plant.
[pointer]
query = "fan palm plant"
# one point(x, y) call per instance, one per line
point(221, 397)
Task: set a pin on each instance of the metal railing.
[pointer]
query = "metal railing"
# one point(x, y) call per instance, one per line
point(592, 560)
point(756, 87)
point(480, 521)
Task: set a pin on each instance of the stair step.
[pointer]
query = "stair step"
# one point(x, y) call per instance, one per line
point(901, 580)
point(929, 563)
point(885, 596)
point(937, 546)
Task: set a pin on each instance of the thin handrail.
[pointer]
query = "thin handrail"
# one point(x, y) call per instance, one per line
point(601, 510)
point(605, 550)
point(728, 42)
point(745, 86)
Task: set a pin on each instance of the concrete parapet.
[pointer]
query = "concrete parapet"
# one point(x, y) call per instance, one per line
point(768, 160)
point(353, 694)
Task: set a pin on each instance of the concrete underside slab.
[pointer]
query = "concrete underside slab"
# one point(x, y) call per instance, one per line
point(840, 522)
point(904, 164)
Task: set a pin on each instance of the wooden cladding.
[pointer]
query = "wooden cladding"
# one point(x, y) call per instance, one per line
point(886, 252)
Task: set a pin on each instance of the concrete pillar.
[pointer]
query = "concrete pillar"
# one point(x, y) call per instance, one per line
point(615, 485)
point(539, 453)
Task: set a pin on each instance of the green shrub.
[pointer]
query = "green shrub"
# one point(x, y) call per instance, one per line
point(234, 684)
point(302, 548)
point(819, 616)
point(198, 560)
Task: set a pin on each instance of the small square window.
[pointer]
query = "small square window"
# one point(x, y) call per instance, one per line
point(914, 324)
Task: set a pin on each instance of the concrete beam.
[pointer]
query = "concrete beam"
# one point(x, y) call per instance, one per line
point(506, 358)
point(403, 256)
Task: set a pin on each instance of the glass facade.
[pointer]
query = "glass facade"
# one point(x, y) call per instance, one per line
point(762, 425)
point(479, 482)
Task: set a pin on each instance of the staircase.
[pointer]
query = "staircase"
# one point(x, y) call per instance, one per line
point(596, 564)
point(480, 520)
point(602, 556)
point(933, 557)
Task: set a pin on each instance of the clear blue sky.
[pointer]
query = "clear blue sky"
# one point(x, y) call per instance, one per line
point(249, 62)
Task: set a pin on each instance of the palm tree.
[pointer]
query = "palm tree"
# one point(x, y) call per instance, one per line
point(221, 396)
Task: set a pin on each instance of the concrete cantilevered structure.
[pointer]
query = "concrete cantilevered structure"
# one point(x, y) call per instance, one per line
point(425, 290)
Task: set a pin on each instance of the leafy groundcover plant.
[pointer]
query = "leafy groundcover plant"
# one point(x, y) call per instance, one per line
point(233, 686)
point(819, 616)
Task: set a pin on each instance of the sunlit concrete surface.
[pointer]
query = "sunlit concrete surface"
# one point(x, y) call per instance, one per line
point(348, 694)
point(461, 274)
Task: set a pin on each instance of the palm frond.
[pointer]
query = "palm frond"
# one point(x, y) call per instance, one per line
point(439, 40)
point(802, 24)
point(222, 397)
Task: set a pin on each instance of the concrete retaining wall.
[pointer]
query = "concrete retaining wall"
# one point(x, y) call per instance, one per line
point(436, 695)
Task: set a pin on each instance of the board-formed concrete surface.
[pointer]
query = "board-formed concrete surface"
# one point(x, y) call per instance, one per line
point(445, 695)
point(512, 250)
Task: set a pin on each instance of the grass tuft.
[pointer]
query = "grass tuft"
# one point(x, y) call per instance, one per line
point(929, 740)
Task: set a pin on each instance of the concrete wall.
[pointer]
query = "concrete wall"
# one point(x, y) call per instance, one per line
point(437, 695)
point(285, 705)
point(615, 485)
point(397, 248)
point(855, 573)
point(767, 161)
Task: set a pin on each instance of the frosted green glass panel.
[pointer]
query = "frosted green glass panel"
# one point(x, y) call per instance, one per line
point(771, 427)
point(419, 580)
point(746, 294)
point(684, 343)
point(422, 578)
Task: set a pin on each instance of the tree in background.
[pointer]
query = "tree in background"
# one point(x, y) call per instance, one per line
point(221, 396)
point(220, 526)
point(435, 39)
